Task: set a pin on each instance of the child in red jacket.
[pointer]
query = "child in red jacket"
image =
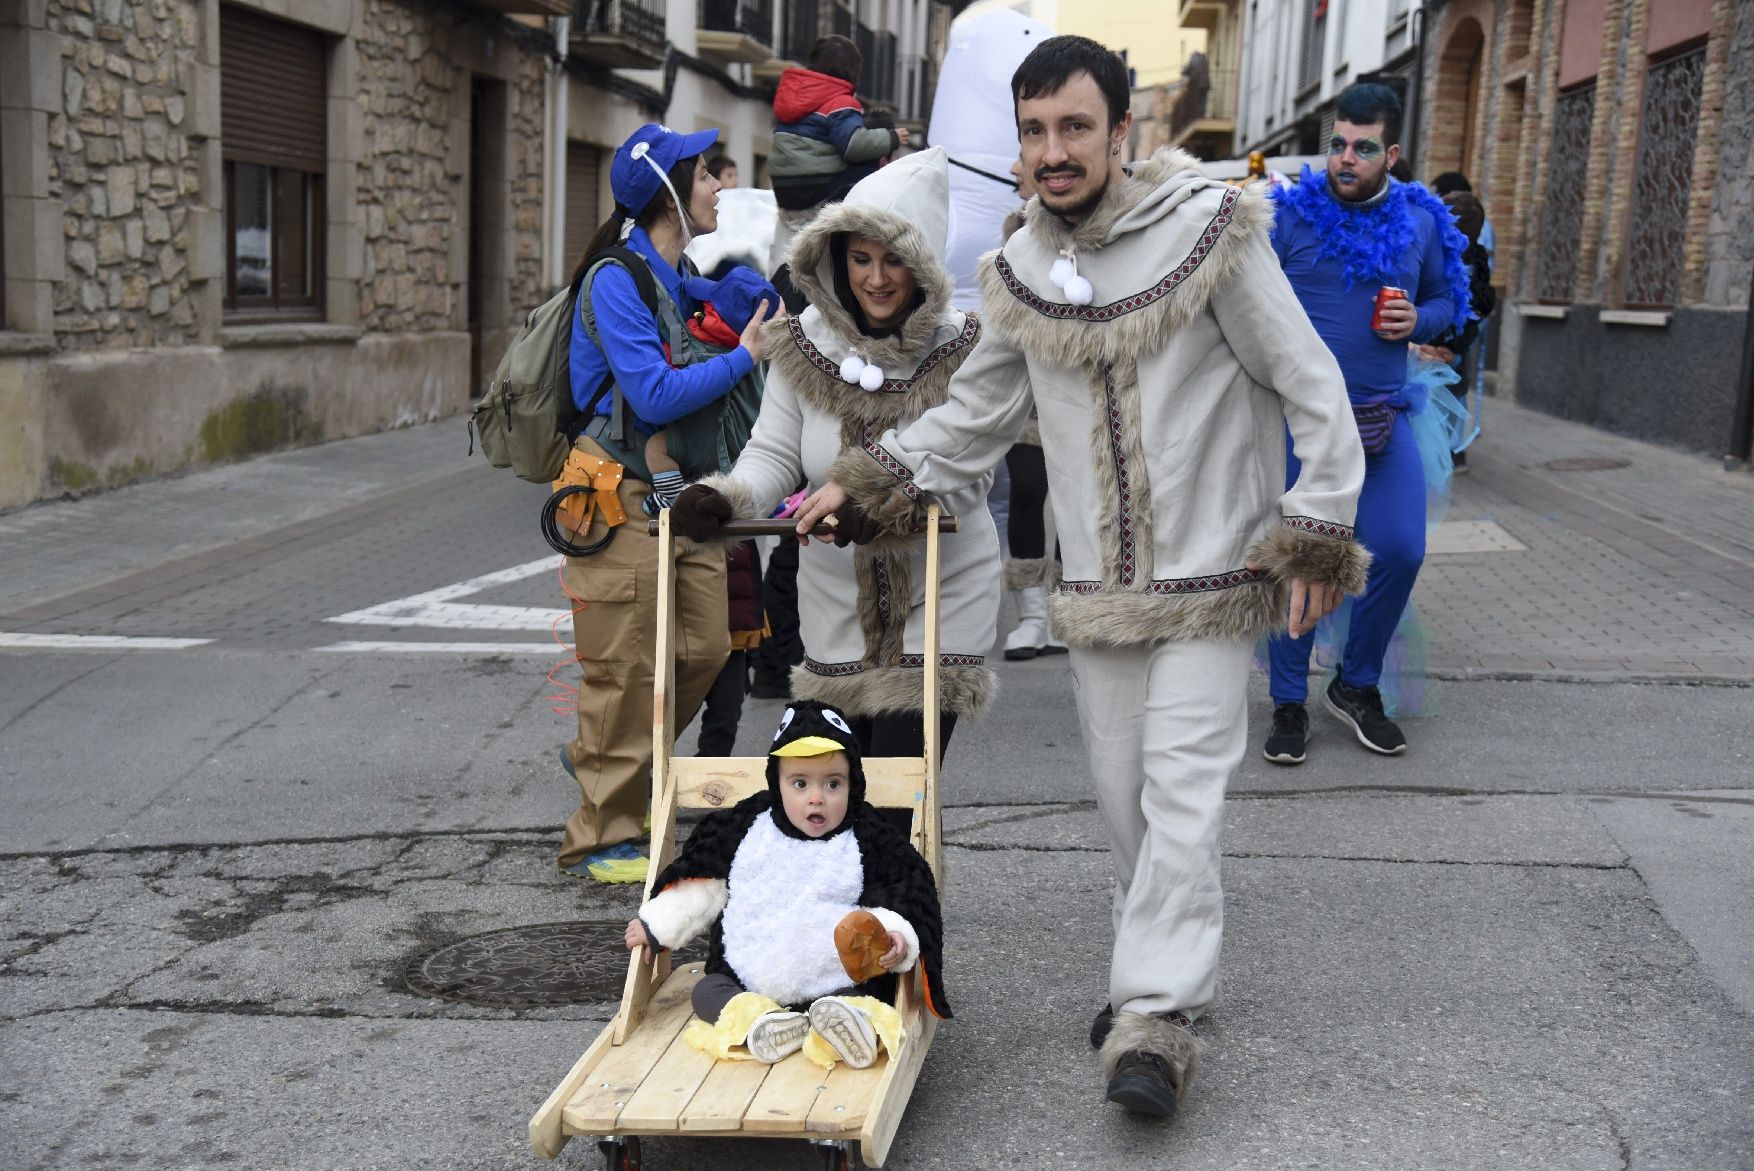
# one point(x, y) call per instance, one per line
point(821, 145)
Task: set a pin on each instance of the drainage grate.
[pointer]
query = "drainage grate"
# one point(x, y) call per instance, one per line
point(526, 967)
point(1587, 463)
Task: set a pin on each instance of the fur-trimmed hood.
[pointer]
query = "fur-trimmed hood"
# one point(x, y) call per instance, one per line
point(907, 205)
point(1184, 237)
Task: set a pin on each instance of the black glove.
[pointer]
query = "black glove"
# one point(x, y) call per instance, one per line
point(853, 527)
point(699, 512)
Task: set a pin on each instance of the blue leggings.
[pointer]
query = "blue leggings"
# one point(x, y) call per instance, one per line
point(1391, 524)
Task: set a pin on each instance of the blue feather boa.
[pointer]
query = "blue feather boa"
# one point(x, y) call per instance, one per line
point(1367, 240)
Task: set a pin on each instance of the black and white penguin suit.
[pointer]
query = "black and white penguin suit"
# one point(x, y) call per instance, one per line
point(771, 894)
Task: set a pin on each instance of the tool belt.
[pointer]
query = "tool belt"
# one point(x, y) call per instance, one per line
point(587, 489)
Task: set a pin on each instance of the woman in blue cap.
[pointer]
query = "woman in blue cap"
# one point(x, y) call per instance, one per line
point(636, 345)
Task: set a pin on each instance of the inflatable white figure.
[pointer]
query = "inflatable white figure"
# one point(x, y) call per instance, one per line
point(973, 119)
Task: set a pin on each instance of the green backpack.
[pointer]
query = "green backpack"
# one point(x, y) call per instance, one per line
point(527, 421)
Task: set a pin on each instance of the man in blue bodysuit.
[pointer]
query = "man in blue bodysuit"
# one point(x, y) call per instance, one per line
point(1340, 238)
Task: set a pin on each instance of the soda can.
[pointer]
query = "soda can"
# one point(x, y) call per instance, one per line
point(1383, 296)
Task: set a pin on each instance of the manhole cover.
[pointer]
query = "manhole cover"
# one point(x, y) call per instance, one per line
point(526, 967)
point(1587, 463)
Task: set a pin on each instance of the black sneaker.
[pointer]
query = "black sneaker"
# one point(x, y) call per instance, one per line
point(1099, 1028)
point(1142, 1083)
point(1360, 708)
point(1290, 734)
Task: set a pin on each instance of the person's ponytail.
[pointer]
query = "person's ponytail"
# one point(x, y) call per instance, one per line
point(607, 235)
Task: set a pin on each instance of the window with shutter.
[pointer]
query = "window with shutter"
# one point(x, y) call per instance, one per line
point(584, 163)
point(274, 132)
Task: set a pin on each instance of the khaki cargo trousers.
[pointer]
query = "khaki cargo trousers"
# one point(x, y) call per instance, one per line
point(614, 595)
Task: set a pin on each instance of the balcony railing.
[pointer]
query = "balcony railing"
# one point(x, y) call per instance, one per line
point(620, 33)
point(749, 18)
point(803, 26)
point(1208, 95)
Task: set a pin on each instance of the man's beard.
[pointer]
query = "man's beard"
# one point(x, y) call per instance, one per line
point(1078, 210)
point(1358, 193)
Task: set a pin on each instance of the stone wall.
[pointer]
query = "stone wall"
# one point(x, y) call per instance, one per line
point(412, 181)
point(120, 162)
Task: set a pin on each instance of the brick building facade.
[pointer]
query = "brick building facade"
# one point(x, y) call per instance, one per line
point(1610, 141)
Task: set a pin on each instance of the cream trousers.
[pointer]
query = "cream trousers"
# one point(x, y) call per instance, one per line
point(1165, 726)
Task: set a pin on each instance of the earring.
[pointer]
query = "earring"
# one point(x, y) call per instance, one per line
point(1116, 150)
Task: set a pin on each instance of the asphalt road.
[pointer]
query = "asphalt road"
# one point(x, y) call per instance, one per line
point(1525, 944)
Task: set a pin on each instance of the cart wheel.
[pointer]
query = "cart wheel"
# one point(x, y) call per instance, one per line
point(839, 1159)
point(619, 1154)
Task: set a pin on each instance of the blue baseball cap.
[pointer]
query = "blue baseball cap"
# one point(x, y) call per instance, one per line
point(633, 180)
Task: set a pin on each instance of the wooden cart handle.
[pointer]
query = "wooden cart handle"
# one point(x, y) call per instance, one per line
point(781, 527)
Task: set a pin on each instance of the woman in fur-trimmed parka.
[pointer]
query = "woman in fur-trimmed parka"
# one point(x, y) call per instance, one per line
point(835, 383)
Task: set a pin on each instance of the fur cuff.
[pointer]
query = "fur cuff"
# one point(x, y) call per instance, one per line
point(678, 914)
point(1293, 551)
point(1022, 573)
point(1128, 619)
point(1136, 1033)
point(877, 691)
point(888, 497)
point(893, 922)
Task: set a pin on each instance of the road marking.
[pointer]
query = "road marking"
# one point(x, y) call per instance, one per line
point(97, 642)
point(450, 648)
point(435, 608)
point(1471, 536)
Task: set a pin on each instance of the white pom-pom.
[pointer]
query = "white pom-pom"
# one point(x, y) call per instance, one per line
point(871, 378)
point(1079, 292)
point(851, 367)
point(1062, 271)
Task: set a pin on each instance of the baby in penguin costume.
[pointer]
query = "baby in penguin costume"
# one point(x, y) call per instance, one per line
point(814, 901)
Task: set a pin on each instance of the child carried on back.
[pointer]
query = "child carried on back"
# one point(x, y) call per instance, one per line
point(814, 902)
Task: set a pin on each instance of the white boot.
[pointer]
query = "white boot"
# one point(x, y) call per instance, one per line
point(1030, 636)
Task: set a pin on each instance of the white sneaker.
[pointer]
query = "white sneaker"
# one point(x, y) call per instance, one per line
point(777, 1035)
point(846, 1029)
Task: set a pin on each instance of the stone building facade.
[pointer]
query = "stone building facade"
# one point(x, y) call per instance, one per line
point(145, 328)
point(1611, 143)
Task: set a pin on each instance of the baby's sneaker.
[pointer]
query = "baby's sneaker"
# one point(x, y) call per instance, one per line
point(846, 1029)
point(777, 1035)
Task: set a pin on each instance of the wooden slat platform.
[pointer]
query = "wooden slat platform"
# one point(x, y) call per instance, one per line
point(657, 1083)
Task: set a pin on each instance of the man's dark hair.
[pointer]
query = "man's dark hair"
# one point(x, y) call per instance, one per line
point(837, 57)
point(1366, 102)
point(1054, 62)
point(719, 164)
point(1450, 181)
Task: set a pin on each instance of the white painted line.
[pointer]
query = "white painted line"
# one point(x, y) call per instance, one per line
point(435, 608)
point(450, 648)
point(97, 642)
point(1470, 536)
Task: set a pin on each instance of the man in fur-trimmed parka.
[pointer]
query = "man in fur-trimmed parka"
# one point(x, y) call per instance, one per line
point(1142, 309)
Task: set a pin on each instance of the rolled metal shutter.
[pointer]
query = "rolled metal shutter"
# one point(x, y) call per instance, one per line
point(273, 91)
point(583, 167)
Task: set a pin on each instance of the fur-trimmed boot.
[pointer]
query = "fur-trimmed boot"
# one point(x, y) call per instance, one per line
point(1149, 1062)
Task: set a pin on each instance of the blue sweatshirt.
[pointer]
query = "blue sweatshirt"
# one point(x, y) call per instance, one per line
point(1340, 302)
point(633, 348)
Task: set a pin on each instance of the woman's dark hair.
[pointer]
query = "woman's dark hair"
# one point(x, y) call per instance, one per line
point(837, 57)
point(1054, 62)
point(1365, 102)
point(608, 233)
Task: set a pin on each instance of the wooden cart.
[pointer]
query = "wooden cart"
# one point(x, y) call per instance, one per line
point(639, 1077)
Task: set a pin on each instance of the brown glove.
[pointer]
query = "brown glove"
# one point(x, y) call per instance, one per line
point(853, 527)
point(699, 512)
